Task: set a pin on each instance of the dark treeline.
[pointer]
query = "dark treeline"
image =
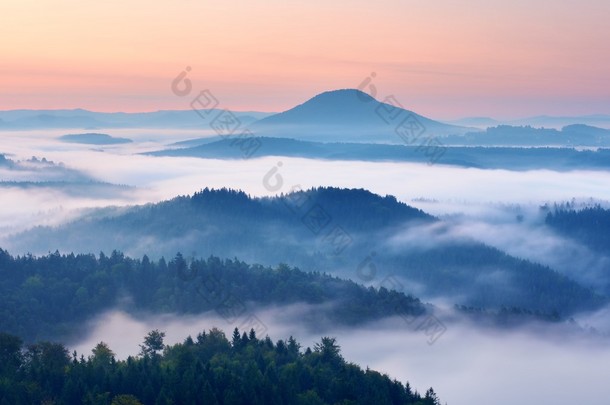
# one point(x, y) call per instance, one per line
point(209, 369)
point(590, 226)
point(51, 296)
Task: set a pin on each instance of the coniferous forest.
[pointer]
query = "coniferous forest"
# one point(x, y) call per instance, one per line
point(51, 297)
point(207, 370)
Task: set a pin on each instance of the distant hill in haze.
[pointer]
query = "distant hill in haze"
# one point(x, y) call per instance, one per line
point(511, 158)
point(35, 170)
point(349, 115)
point(598, 120)
point(506, 135)
point(84, 119)
point(43, 174)
point(94, 139)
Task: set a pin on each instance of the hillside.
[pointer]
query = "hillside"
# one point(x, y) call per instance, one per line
point(349, 233)
point(207, 370)
point(53, 296)
point(510, 158)
point(590, 225)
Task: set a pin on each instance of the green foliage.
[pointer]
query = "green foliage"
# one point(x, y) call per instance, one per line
point(153, 343)
point(125, 400)
point(102, 355)
point(77, 287)
point(207, 371)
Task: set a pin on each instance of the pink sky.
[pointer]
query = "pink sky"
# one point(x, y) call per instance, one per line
point(441, 58)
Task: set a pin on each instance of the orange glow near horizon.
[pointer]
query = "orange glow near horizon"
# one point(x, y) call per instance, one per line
point(442, 59)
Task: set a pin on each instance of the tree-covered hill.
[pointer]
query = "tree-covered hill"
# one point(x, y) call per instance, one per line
point(590, 225)
point(208, 370)
point(326, 229)
point(52, 296)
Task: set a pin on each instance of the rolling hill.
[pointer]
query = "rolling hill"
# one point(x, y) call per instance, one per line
point(510, 158)
point(349, 233)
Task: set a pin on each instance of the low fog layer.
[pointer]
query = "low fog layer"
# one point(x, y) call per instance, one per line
point(467, 365)
point(164, 178)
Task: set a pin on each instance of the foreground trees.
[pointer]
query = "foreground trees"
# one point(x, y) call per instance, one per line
point(205, 370)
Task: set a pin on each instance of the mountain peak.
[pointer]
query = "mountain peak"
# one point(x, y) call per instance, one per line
point(344, 115)
point(344, 94)
point(334, 107)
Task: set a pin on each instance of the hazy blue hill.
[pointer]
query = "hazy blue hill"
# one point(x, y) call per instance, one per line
point(79, 118)
point(344, 115)
point(51, 121)
point(40, 170)
point(92, 138)
point(46, 175)
point(5, 162)
point(580, 129)
point(324, 229)
point(599, 120)
point(506, 135)
point(233, 148)
point(512, 158)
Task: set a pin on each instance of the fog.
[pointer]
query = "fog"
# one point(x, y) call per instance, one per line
point(167, 177)
point(501, 208)
point(517, 229)
point(466, 365)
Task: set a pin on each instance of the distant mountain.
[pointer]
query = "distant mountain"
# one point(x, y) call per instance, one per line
point(37, 170)
point(52, 121)
point(510, 158)
point(83, 119)
point(598, 120)
point(349, 233)
point(94, 139)
point(45, 175)
point(506, 135)
point(350, 115)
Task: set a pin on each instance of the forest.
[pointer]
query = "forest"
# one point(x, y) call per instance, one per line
point(327, 230)
point(589, 225)
point(52, 296)
point(207, 370)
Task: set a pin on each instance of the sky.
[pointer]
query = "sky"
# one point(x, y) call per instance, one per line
point(443, 59)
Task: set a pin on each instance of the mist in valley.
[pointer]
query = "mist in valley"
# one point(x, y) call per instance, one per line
point(468, 364)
